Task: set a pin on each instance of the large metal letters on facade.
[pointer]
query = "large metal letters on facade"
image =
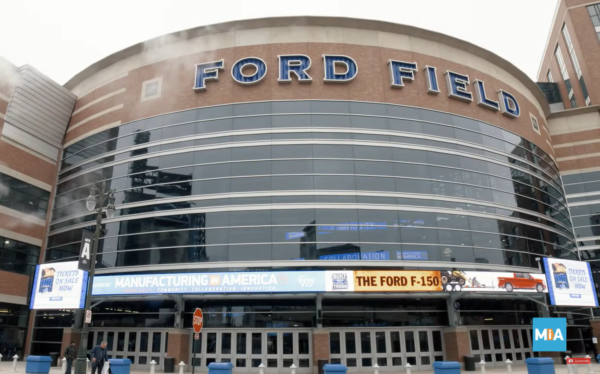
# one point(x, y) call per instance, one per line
point(343, 69)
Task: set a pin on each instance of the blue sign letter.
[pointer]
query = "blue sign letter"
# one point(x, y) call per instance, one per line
point(432, 81)
point(331, 61)
point(400, 70)
point(294, 64)
point(457, 86)
point(206, 71)
point(508, 104)
point(482, 99)
point(260, 70)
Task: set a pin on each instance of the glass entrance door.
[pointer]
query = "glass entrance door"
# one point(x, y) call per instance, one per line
point(247, 349)
point(140, 346)
point(498, 344)
point(389, 348)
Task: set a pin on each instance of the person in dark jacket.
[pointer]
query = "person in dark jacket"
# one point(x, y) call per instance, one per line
point(99, 356)
point(70, 355)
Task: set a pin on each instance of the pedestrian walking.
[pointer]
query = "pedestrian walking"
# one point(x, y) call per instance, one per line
point(99, 357)
point(70, 355)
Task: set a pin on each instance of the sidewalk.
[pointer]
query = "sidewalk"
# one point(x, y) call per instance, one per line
point(6, 367)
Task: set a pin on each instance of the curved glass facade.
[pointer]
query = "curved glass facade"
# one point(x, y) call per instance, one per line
point(313, 180)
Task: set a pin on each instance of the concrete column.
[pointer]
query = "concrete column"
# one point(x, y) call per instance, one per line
point(179, 346)
point(320, 347)
point(456, 343)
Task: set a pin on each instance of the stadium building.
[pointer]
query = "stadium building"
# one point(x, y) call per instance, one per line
point(324, 188)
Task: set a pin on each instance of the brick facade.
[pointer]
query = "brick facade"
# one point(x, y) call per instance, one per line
point(179, 347)
point(320, 347)
point(456, 343)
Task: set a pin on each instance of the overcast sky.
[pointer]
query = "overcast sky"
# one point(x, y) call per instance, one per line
point(62, 37)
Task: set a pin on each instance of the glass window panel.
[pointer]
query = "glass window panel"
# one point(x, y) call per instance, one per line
point(256, 343)
point(365, 342)
point(474, 340)
point(288, 343)
point(350, 343)
point(271, 343)
point(423, 341)
point(240, 344)
point(525, 340)
point(334, 343)
point(506, 338)
point(395, 341)
point(303, 343)
point(485, 339)
point(144, 340)
point(437, 341)
point(516, 338)
point(409, 341)
point(211, 342)
point(226, 343)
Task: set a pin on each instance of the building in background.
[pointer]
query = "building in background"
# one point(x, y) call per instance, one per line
point(350, 190)
point(569, 75)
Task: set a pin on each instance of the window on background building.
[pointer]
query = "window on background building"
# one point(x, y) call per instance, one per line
point(23, 197)
point(594, 11)
point(565, 76)
point(575, 62)
point(549, 75)
point(18, 257)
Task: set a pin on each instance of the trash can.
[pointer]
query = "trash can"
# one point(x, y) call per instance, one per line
point(446, 367)
point(322, 362)
point(540, 365)
point(120, 365)
point(335, 369)
point(54, 357)
point(169, 365)
point(469, 363)
point(38, 364)
point(219, 368)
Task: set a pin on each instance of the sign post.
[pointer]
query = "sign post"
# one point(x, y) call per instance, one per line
point(197, 322)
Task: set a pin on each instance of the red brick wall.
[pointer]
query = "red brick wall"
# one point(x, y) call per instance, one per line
point(179, 347)
point(320, 347)
point(456, 343)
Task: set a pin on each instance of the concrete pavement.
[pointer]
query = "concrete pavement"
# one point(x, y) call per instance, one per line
point(6, 366)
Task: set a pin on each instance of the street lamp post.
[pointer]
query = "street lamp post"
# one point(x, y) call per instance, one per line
point(94, 202)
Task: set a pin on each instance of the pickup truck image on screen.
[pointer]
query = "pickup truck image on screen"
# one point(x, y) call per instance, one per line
point(47, 280)
point(521, 281)
point(560, 276)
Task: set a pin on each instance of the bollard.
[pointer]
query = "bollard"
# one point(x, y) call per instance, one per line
point(408, 368)
point(152, 366)
point(107, 364)
point(482, 366)
point(261, 368)
point(376, 367)
point(590, 370)
point(509, 366)
point(181, 367)
point(569, 367)
point(14, 366)
point(64, 365)
point(293, 367)
point(1, 358)
point(87, 363)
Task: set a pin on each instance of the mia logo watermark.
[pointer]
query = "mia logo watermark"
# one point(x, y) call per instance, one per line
point(549, 334)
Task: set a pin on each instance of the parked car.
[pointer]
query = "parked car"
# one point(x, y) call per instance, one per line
point(521, 281)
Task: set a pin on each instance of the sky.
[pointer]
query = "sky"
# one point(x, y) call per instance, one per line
point(62, 37)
